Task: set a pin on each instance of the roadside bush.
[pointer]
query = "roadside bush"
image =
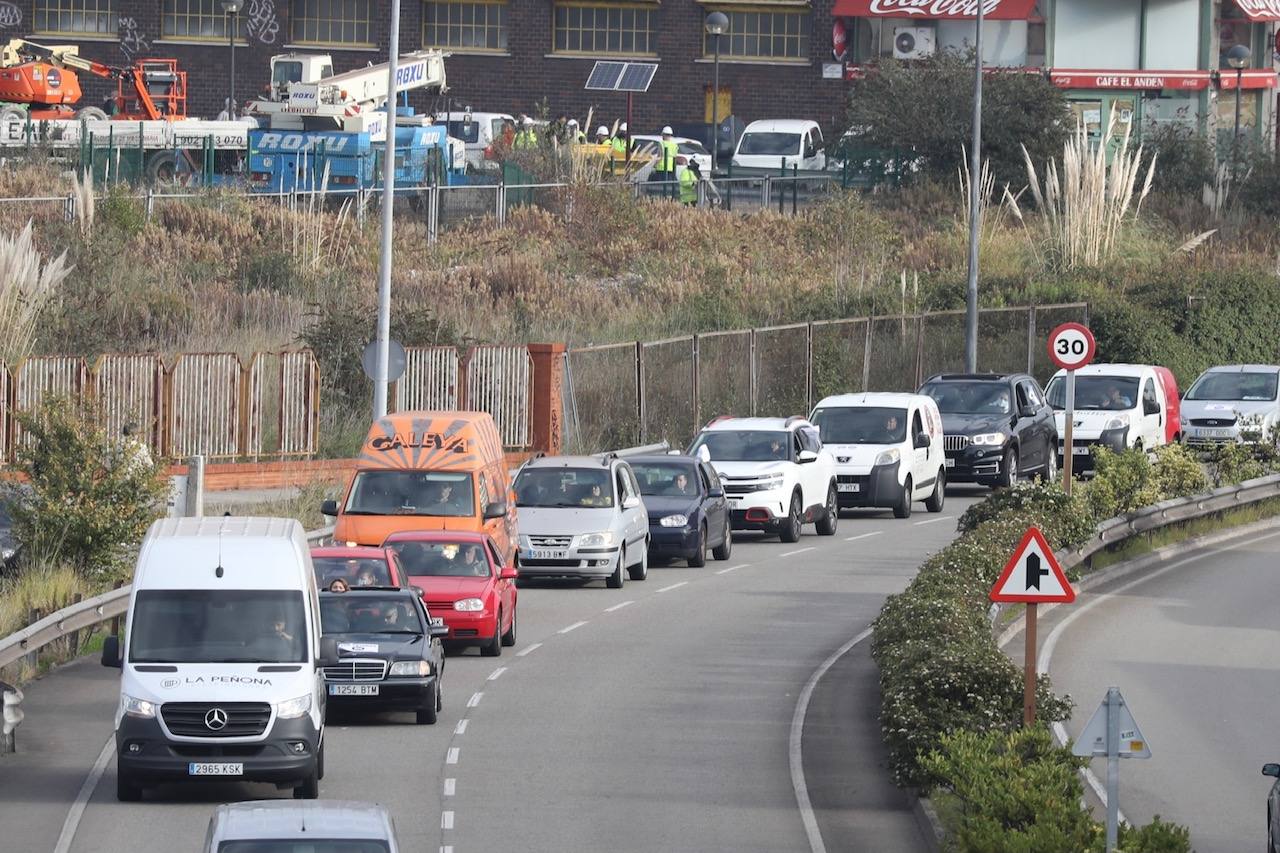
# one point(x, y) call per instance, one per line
point(1177, 473)
point(91, 496)
point(1186, 162)
point(1156, 837)
point(1235, 463)
point(1128, 481)
point(1039, 498)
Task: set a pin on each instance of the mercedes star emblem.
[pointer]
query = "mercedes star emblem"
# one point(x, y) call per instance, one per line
point(215, 720)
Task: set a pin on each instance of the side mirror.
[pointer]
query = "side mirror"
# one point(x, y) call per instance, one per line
point(806, 456)
point(418, 591)
point(631, 502)
point(329, 508)
point(509, 573)
point(438, 628)
point(111, 652)
point(496, 509)
point(715, 492)
point(1271, 770)
point(328, 652)
point(922, 439)
point(1028, 411)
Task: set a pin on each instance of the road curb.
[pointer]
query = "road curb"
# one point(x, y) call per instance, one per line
point(929, 823)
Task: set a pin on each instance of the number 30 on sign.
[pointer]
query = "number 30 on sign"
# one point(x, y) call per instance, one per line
point(1071, 346)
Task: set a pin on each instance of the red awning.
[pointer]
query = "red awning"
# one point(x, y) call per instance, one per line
point(1259, 78)
point(1260, 10)
point(1091, 79)
point(995, 10)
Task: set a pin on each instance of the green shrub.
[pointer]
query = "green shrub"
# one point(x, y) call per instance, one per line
point(1155, 837)
point(1177, 473)
point(1042, 499)
point(1122, 482)
point(1235, 463)
point(1184, 159)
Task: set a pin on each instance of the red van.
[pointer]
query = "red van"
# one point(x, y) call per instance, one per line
point(1173, 405)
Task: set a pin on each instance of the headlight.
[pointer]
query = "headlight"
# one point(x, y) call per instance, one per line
point(468, 604)
point(598, 540)
point(137, 707)
point(294, 708)
point(988, 439)
point(1118, 422)
point(675, 521)
point(887, 457)
point(411, 667)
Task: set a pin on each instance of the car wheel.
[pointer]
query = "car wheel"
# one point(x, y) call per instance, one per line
point(615, 580)
point(509, 638)
point(790, 529)
point(126, 790)
point(493, 648)
point(903, 509)
point(725, 548)
point(1051, 464)
point(699, 559)
point(309, 788)
point(826, 525)
point(1008, 470)
point(428, 714)
point(936, 500)
point(640, 571)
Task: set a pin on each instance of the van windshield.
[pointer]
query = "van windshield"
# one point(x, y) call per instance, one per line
point(218, 626)
point(309, 845)
point(1102, 393)
point(411, 493)
point(770, 143)
point(861, 425)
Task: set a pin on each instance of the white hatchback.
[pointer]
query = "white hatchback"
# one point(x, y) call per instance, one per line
point(888, 448)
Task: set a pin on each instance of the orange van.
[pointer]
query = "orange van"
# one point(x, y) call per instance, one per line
point(428, 471)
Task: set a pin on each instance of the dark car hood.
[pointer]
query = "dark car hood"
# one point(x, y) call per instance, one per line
point(387, 645)
point(664, 505)
point(956, 424)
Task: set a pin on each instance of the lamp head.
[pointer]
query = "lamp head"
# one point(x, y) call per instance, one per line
point(1238, 57)
point(717, 23)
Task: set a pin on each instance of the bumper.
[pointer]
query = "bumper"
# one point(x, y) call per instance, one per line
point(394, 694)
point(1209, 437)
point(975, 464)
point(583, 563)
point(757, 510)
point(147, 755)
point(878, 487)
point(1116, 440)
point(673, 541)
point(468, 627)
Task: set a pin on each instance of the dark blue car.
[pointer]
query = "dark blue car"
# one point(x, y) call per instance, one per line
point(687, 509)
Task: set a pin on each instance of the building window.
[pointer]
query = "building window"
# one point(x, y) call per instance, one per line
point(603, 29)
point(97, 17)
point(465, 25)
point(335, 22)
point(778, 35)
point(197, 19)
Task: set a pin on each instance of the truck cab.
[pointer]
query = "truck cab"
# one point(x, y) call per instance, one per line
point(289, 68)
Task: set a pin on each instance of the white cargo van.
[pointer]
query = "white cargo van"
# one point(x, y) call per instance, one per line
point(220, 663)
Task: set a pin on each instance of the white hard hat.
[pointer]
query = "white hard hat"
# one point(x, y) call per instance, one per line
point(527, 121)
point(667, 131)
point(623, 127)
point(602, 131)
point(573, 122)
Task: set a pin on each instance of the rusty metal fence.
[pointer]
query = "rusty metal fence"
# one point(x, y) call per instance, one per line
point(628, 394)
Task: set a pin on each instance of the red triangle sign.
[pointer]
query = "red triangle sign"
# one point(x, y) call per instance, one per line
point(1032, 575)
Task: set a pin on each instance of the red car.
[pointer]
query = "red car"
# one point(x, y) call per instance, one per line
point(1173, 405)
point(358, 566)
point(463, 580)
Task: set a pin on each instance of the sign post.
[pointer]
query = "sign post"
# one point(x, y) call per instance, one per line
point(1112, 732)
point(1071, 346)
point(1032, 576)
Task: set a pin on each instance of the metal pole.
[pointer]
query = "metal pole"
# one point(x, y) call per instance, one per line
point(1235, 134)
point(388, 202)
point(1113, 767)
point(1029, 670)
point(1068, 415)
point(975, 181)
point(715, 110)
point(231, 37)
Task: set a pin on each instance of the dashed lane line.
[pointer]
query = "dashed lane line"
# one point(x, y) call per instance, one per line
point(797, 551)
point(732, 568)
point(618, 606)
point(863, 536)
point(452, 756)
point(446, 820)
point(935, 520)
point(450, 787)
point(474, 700)
point(674, 586)
point(461, 728)
point(496, 674)
point(573, 627)
point(528, 650)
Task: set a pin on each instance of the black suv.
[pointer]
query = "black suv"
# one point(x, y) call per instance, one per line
point(997, 427)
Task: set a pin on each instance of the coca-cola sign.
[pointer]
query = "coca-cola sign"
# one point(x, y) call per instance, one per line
point(1260, 10)
point(996, 10)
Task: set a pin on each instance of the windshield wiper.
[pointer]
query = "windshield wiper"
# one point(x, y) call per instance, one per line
point(247, 660)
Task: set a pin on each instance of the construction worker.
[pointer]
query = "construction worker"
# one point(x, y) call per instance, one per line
point(527, 137)
point(619, 141)
point(688, 177)
point(602, 135)
point(668, 150)
point(572, 133)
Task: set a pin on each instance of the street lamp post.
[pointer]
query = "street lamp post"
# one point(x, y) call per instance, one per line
point(383, 334)
point(232, 8)
point(1237, 58)
point(717, 24)
point(975, 184)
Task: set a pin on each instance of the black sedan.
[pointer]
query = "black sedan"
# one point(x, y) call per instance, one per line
point(389, 653)
point(687, 509)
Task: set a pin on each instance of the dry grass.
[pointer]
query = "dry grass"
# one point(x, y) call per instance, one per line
point(28, 283)
point(302, 504)
point(44, 587)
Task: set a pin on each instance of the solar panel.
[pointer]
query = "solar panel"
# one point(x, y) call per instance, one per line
point(636, 77)
point(605, 75)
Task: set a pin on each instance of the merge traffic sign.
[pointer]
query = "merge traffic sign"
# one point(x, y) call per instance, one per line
point(1032, 575)
point(1071, 346)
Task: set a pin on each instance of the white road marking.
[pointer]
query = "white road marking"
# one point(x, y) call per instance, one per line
point(618, 606)
point(461, 728)
point(797, 551)
point(935, 520)
point(446, 820)
point(496, 674)
point(474, 700)
point(450, 787)
point(572, 627)
point(673, 586)
point(863, 536)
point(72, 823)
point(527, 649)
point(733, 568)
point(807, 817)
point(446, 848)
point(452, 756)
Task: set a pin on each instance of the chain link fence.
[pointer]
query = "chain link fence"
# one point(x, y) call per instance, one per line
point(620, 395)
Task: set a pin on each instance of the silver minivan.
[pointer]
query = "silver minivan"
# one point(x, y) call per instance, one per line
point(1232, 403)
point(581, 517)
point(284, 826)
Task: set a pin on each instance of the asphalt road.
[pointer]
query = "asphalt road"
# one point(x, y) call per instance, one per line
point(656, 717)
point(1193, 650)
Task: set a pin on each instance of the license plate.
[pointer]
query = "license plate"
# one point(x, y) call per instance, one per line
point(1216, 433)
point(547, 555)
point(353, 690)
point(1077, 450)
point(848, 487)
point(196, 768)
point(951, 463)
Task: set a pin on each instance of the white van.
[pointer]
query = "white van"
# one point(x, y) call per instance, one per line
point(478, 132)
point(220, 663)
point(771, 143)
point(283, 826)
point(888, 448)
point(1118, 406)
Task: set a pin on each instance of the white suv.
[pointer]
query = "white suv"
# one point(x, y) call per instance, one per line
point(776, 474)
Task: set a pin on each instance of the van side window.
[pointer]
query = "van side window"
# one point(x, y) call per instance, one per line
point(484, 490)
point(916, 428)
point(1150, 402)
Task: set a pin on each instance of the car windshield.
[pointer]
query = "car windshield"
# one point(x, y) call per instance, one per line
point(563, 487)
point(467, 131)
point(969, 398)
point(1253, 387)
point(861, 425)
point(760, 142)
point(691, 147)
point(218, 626)
point(342, 613)
point(1102, 393)
point(744, 445)
point(442, 559)
point(356, 571)
point(309, 845)
point(411, 493)
point(666, 479)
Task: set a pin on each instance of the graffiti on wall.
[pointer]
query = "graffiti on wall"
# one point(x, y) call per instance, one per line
point(10, 16)
point(261, 22)
point(132, 40)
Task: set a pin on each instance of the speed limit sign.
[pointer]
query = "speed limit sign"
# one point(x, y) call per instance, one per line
point(1071, 346)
